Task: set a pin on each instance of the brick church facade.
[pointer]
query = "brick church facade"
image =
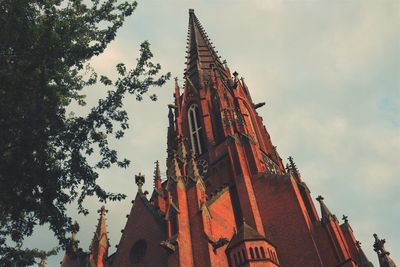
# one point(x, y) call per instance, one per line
point(228, 199)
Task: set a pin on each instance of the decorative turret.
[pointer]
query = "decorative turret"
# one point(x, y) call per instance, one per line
point(249, 248)
point(383, 254)
point(326, 214)
point(157, 176)
point(73, 243)
point(292, 169)
point(100, 244)
point(74, 256)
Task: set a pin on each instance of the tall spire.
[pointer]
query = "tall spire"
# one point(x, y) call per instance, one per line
point(292, 168)
point(201, 55)
point(100, 244)
point(157, 176)
point(383, 254)
point(325, 212)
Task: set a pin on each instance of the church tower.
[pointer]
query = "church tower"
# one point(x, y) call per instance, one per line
point(227, 198)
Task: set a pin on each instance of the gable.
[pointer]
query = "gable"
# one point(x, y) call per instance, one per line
point(141, 237)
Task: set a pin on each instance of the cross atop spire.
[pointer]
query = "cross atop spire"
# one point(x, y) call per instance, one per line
point(201, 55)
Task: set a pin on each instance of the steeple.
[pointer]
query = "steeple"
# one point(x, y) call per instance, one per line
point(201, 55)
point(383, 254)
point(292, 168)
point(100, 244)
point(325, 212)
point(157, 176)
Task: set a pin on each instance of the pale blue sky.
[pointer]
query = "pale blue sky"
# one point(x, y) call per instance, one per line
point(329, 72)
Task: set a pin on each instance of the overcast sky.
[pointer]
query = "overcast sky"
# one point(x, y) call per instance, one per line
point(329, 72)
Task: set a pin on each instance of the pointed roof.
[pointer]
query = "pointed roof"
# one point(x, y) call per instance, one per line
point(293, 168)
point(100, 235)
point(74, 256)
point(201, 55)
point(245, 233)
point(157, 175)
point(383, 254)
point(325, 212)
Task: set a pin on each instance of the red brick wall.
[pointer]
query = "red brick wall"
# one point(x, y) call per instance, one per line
point(141, 225)
point(285, 221)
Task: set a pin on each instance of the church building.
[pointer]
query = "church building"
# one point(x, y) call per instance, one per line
point(229, 199)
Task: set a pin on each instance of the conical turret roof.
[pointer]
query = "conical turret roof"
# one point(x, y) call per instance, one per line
point(245, 233)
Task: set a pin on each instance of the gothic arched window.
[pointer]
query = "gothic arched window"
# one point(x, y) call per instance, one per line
point(195, 129)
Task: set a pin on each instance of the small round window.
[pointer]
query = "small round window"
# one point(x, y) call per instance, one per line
point(138, 251)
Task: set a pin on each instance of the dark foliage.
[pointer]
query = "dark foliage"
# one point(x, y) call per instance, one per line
point(45, 46)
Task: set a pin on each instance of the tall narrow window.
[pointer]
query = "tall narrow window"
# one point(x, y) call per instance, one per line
point(196, 131)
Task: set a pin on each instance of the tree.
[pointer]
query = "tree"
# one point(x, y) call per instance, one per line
point(44, 52)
